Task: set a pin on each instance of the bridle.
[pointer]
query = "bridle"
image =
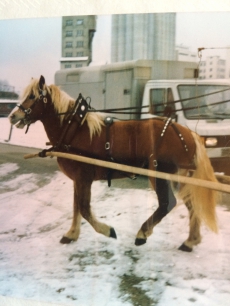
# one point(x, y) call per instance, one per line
point(27, 111)
point(80, 109)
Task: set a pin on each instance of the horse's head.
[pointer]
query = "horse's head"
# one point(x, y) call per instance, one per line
point(34, 101)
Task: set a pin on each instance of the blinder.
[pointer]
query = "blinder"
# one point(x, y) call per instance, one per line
point(27, 111)
point(82, 108)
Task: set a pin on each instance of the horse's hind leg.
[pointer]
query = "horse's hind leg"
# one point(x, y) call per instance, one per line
point(166, 201)
point(194, 237)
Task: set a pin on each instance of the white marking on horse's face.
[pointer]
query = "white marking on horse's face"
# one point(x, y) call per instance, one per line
point(17, 118)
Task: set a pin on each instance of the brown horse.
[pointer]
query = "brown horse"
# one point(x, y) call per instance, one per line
point(157, 144)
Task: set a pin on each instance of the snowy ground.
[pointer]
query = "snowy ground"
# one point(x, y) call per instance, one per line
point(97, 270)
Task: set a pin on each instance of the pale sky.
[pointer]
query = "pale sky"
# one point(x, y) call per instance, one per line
point(31, 47)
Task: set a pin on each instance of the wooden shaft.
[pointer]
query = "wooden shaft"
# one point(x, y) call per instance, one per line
point(136, 170)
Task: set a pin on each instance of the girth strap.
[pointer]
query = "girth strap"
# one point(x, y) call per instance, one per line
point(108, 122)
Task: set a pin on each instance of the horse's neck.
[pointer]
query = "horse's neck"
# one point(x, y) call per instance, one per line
point(53, 128)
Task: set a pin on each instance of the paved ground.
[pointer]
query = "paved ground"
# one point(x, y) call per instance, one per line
point(15, 154)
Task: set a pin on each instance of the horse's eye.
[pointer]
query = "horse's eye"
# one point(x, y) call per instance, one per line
point(32, 96)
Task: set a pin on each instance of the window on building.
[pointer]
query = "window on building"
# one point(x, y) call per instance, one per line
point(69, 54)
point(69, 44)
point(69, 22)
point(210, 69)
point(79, 21)
point(210, 76)
point(79, 44)
point(78, 65)
point(80, 54)
point(79, 32)
point(67, 65)
point(69, 33)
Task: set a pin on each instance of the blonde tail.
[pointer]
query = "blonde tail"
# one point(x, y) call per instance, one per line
point(203, 200)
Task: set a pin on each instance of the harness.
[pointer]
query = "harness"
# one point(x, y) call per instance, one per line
point(108, 122)
point(170, 122)
point(80, 110)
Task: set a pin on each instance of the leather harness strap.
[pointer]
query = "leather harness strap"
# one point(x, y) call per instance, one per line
point(108, 122)
point(80, 110)
point(168, 123)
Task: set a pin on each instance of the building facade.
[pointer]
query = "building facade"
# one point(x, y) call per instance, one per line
point(183, 53)
point(77, 37)
point(143, 36)
point(212, 68)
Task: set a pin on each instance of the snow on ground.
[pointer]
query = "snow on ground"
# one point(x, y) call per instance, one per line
point(97, 270)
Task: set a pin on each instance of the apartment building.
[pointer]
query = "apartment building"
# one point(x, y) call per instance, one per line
point(212, 68)
point(183, 53)
point(77, 37)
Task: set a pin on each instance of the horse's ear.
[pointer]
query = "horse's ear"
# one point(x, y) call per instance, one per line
point(42, 82)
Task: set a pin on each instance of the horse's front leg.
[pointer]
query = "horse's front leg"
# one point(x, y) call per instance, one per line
point(74, 231)
point(84, 197)
point(166, 201)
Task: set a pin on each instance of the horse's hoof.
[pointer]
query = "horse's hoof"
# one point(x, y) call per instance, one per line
point(185, 248)
point(140, 241)
point(112, 233)
point(66, 240)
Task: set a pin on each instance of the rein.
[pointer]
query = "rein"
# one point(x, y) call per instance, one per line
point(123, 110)
point(120, 110)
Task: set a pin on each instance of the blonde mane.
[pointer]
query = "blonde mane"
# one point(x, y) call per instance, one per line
point(63, 103)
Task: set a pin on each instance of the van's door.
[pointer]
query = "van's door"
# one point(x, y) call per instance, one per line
point(118, 93)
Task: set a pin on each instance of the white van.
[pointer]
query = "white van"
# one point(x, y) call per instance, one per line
point(162, 88)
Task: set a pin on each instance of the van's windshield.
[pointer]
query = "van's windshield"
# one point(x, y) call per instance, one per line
point(214, 103)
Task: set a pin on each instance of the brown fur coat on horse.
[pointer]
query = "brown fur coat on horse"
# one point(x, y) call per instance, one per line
point(155, 143)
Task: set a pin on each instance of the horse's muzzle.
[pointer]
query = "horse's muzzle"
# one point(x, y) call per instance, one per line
point(17, 120)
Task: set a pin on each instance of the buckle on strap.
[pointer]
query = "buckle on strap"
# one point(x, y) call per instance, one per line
point(107, 145)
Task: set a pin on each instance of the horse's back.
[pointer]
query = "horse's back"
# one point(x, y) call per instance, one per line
point(139, 139)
